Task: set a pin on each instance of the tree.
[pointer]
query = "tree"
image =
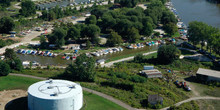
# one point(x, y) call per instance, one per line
point(91, 20)
point(116, 1)
point(114, 39)
point(10, 54)
point(133, 35)
point(5, 3)
point(200, 32)
point(82, 70)
point(170, 28)
point(147, 30)
point(13, 60)
point(4, 69)
point(6, 24)
point(128, 3)
point(167, 54)
point(109, 2)
point(168, 17)
point(73, 33)
point(88, 44)
point(139, 58)
point(92, 32)
point(43, 43)
point(57, 37)
point(17, 65)
point(28, 8)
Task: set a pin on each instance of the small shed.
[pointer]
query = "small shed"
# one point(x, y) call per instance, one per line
point(26, 63)
point(154, 73)
point(148, 67)
point(100, 61)
point(155, 99)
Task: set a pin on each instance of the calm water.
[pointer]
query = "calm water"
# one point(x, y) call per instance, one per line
point(198, 10)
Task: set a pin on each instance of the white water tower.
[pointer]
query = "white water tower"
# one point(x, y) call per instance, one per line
point(55, 95)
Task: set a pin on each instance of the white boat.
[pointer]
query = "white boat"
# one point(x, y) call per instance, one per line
point(110, 50)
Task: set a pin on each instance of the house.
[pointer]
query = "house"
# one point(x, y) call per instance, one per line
point(153, 73)
point(100, 61)
point(155, 99)
point(208, 75)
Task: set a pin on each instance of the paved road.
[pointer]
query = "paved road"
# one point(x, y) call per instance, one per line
point(194, 98)
point(25, 40)
point(124, 59)
point(86, 89)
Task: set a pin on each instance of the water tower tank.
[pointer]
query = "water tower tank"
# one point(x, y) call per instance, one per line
point(55, 95)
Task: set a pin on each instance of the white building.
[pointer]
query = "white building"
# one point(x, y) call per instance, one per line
point(208, 75)
point(55, 95)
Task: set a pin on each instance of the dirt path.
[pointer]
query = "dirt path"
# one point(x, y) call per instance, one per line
point(6, 96)
point(88, 90)
point(124, 59)
point(194, 98)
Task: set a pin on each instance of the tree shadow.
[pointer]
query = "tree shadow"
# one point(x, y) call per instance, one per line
point(191, 79)
point(17, 104)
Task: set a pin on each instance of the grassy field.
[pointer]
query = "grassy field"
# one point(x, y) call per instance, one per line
point(41, 72)
point(36, 39)
point(125, 56)
point(15, 82)
point(192, 105)
point(209, 104)
point(186, 52)
point(93, 102)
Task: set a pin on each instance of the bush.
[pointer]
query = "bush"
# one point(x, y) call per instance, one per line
point(139, 58)
point(167, 54)
point(138, 79)
point(4, 69)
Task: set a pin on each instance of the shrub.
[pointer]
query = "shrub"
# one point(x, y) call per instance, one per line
point(167, 54)
point(137, 79)
point(4, 69)
point(139, 58)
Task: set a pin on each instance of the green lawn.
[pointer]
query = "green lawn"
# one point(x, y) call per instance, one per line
point(128, 55)
point(36, 39)
point(15, 82)
point(186, 52)
point(41, 72)
point(94, 102)
point(209, 104)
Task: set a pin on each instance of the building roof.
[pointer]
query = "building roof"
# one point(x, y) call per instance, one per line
point(154, 98)
point(151, 71)
point(54, 89)
point(100, 60)
point(208, 72)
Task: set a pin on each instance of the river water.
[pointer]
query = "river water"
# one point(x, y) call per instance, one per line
point(198, 10)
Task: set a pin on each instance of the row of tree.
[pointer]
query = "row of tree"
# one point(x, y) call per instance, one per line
point(200, 33)
point(6, 3)
point(69, 32)
point(166, 54)
point(130, 23)
point(56, 13)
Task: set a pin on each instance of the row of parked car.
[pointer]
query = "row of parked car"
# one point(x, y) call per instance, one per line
point(35, 52)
